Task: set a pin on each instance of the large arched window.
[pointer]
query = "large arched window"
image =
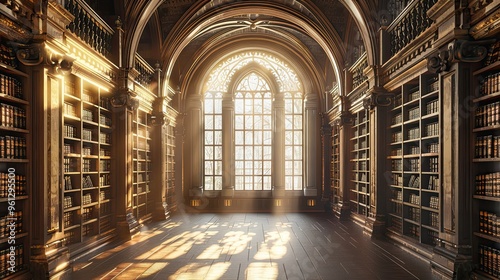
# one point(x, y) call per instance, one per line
point(264, 118)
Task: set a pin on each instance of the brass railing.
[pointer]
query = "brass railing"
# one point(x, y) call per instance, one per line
point(89, 26)
point(409, 24)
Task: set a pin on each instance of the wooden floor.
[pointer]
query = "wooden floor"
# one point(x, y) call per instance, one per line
point(251, 246)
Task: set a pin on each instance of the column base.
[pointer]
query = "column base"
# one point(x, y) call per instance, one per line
point(451, 263)
point(310, 191)
point(160, 212)
point(377, 226)
point(127, 226)
point(196, 192)
point(278, 192)
point(227, 192)
point(53, 265)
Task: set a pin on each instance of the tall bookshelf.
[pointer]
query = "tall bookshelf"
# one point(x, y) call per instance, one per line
point(87, 199)
point(360, 158)
point(337, 198)
point(15, 165)
point(170, 168)
point(486, 197)
point(142, 204)
point(414, 161)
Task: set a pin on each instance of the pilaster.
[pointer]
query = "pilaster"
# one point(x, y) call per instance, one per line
point(279, 150)
point(311, 145)
point(227, 150)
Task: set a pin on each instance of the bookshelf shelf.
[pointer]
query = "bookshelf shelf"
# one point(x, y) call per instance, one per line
point(360, 152)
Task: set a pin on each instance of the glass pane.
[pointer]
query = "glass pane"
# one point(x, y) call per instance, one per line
point(239, 183)
point(249, 137)
point(209, 106)
point(209, 153)
point(218, 183)
point(257, 122)
point(288, 183)
point(218, 106)
point(257, 165)
point(267, 168)
point(267, 109)
point(218, 122)
point(258, 152)
point(267, 153)
point(288, 168)
point(297, 106)
point(297, 183)
point(209, 138)
point(239, 137)
point(218, 153)
point(288, 106)
point(239, 168)
point(209, 167)
point(288, 153)
point(297, 139)
point(266, 122)
point(267, 138)
point(297, 167)
point(239, 106)
point(239, 152)
point(218, 137)
point(288, 122)
point(297, 152)
point(248, 183)
point(209, 183)
point(288, 138)
point(258, 138)
point(249, 122)
point(218, 168)
point(297, 122)
point(257, 106)
point(267, 183)
point(209, 122)
point(248, 167)
point(248, 106)
point(239, 122)
point(248, 152)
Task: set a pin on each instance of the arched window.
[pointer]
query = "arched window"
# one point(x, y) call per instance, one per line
point(253, 134)
point(260, 112)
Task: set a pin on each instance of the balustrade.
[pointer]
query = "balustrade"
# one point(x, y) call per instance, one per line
point(357, 71)
point(146, 72)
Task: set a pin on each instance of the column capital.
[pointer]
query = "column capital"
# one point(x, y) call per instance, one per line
point(125, 98)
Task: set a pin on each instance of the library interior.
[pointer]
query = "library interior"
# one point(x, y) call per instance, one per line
point(228, 139)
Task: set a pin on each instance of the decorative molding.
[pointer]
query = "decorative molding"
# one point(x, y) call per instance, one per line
point(13, 30)
point(458, 51)
point(346, 118)
point(60, 63)
point(487, 26)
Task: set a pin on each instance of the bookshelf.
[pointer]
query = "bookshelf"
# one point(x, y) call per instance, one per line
point(170, 169)
point(335, 170)
point(360, 157)
point(15, 165)
point(486, 197)
point(87, 198)
point(414, 202)
point(142, 204)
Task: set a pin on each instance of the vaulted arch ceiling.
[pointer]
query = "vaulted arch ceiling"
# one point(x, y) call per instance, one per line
point(323, 34)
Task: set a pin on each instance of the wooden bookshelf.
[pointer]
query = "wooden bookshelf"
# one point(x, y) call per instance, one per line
point(486, 197)
point(414, 204)
point(336, 191)
point(360, 161)
point(15, 165)
point(142, 201)
point(170, 168)
point(87, 128)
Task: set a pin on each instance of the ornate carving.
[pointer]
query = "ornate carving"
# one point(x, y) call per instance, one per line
point(346, 118)
point(124, 98)
point(377, 97)
point(487, 26)
point(60, 63)
point(13, 30)
point(458, 51)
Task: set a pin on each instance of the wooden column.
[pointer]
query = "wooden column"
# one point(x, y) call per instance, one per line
point(279, 150)
point(158, 161)
point(227, 150)
point(311, 133)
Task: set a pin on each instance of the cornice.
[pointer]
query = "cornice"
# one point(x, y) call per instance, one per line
point(488, 26)
point(12, 30)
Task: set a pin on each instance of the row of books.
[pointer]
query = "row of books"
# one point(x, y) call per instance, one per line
point(434, 202)
point(434, 84)
point(433, 219)
point(413, 133)
point(414, 199)
point(487, 147)
point(5, 257)
point(16, 218)
point(398, 100)
point(105, 138)
point(397, 179)
point(104, 120)
point(432, 129)
point(414, 150)
point(489, 223)
point(104, 180)
point(87, 115)
point(104, 165)
point(69, 109)
point(397, 152)
point(487, 115)
point(70, 165)
point(11, 86)
point(20, 185)
point(68, 148)
point(12, 116)
point(8, 56)
point(397, 165)
point(396, 208)
point(414, 214)
point(397, 119)
point(88, 96)
point(433, 183)
point(432, 107)
point(414, 113)
point(87, 182)
point(433, 148)
point(69, 131)
point(433, 164)
point(414, 164)
point(87, 165)
point(397, 195)
point(87, 214)
point(396, 137)
point(87, 134)
point(86, 199)
point(68, 202)
point(491, 84)
point(414, 182)
point(488, 184)
point(12, 147)
point(68, 219)
point(413, 231)
point(414, 94)
point(489, 260)
point(493, 54)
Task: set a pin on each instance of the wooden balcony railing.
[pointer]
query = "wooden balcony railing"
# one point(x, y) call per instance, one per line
point(409, 24)
point(357, 71)
point(89, 26)
point(146, 71)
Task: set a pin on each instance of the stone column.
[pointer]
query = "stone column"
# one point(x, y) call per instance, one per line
point(193, 168)
point(159, 166)
point(311, 132)
point(228, 147)
point(279, 150)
